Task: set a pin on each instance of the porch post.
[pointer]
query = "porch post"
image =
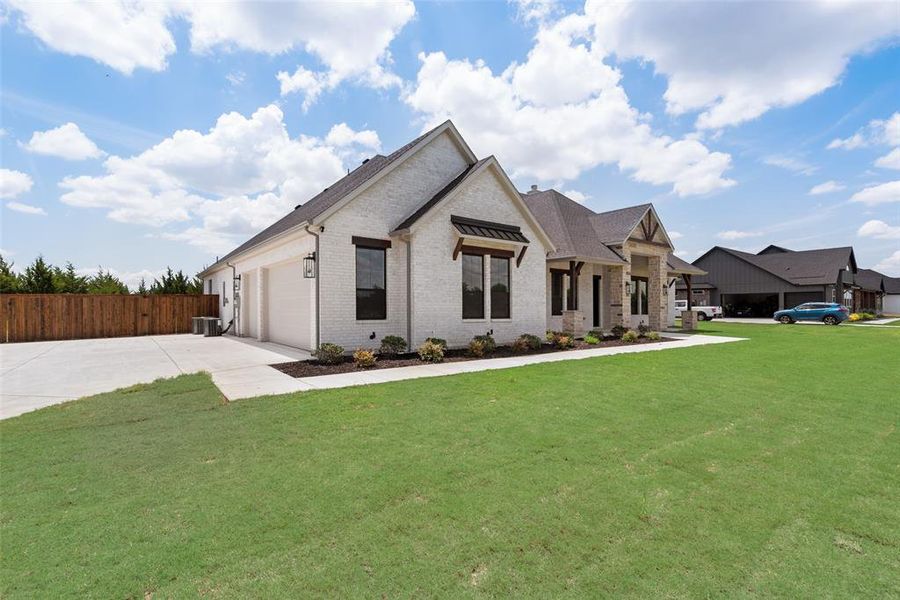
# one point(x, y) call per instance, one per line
point(656, 309)
point(572, 302)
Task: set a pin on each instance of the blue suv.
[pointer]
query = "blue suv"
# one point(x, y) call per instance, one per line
point(829, 313)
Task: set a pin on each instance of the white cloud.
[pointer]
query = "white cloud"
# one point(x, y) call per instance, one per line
point(826, 188)
point(235, 179)
point(878, 194)
point(879, 230)
point(788, 163)
point(890, 265)
point(66, 141)
point(733, 234)
point(556, 135)
point(577, 196)
point(891, 160)
point(349, 39)
point(130, 278)
point(13, 183)
point(885, 132)
point(236, 78)
point(735, 61)
point(27, 209)
point(674, 235)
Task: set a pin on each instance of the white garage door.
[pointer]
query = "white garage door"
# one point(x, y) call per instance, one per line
point(289, 305)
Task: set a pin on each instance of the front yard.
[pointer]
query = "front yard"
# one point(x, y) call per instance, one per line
point(759, 468)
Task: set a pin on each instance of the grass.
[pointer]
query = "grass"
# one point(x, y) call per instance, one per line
point(761, 468)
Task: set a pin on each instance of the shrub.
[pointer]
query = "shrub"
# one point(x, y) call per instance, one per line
point(392, 345)
point(329, 354)
point(431, 352)
point(618, 331)
point(477, 348)
point(530, 342)
point(364, 359)
point(489, 344)
point(597, 333)
point(643, 330)
point(551, 335)
point(652, 335)
point(564, 341)
point(439, 341)
point(854, 317)
point(591, 339)
point(630, 336)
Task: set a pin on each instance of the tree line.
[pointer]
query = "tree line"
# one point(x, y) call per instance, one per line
point(40, 277)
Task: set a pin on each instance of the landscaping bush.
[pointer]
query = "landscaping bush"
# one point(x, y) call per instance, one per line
point(329, 354)
point(630, 336)
point(551, 336)
point(643, 330)
point(854, 317)
point(563, 341)
point(618, 331)
point(392, 345)
point(431, 351)
point(439, 341)
point(489, 344)
point(591, 339)
point(653, 335)
point(364, 358)
point(477, 348)
point(526, 342)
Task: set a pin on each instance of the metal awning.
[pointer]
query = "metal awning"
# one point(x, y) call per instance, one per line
point(487, 229)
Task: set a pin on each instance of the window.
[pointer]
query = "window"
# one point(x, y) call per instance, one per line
point(639, 296)
point(371, 297)
point(473, 286)
point(499, 287)
point(556, 293)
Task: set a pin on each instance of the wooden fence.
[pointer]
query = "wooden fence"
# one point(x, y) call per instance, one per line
point(39, 317)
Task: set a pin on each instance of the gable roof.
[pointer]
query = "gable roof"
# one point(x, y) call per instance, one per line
point(571, 227)
point(440, 195)
point(340, 190)
point(682, 267)
point(772, 249)
point(869, 279)
point(615, 226)
point(798, 267)
point(891, 285)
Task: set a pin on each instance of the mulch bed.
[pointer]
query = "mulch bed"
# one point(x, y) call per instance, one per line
point(312, 368)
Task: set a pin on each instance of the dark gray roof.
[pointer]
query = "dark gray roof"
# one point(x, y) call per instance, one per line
point(614, 226)
point(801, 267)
point(679, 266)
point(431, 202)
point(326, 198)
point(773, 249)
point(891, 285)
point(869, 280)
point(488, 229)
point(572, 227)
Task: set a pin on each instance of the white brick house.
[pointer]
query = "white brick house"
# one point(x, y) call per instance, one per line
point(428, 241)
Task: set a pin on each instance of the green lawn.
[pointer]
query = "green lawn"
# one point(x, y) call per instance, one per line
point(755, 469)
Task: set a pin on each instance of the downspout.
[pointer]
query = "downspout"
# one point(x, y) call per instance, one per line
point(318, 275)
point(235, 306)
point(409, 341)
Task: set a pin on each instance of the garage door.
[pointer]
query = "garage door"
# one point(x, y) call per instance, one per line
point(288, 306)
point(749, 305)
point(792, 299)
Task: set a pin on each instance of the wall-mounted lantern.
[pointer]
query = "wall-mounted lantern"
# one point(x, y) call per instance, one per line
point(237, 283)
point(309, 266)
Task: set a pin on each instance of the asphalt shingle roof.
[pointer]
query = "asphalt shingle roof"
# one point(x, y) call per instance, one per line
point(801, 267)
point(868, 279)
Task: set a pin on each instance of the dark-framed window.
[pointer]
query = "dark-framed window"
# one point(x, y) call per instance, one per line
point(473, 286)
point(639, 296)
point(499, 287)
point(371, 294)
point(556, 292)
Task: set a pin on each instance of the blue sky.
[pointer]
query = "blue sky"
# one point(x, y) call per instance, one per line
point(745, 124)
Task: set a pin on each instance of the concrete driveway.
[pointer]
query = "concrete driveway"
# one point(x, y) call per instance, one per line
point(38, 374)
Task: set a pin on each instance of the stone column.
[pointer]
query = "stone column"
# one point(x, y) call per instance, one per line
point(689, 320)
point(573, 322)
point(655, 305)
point(619, 300)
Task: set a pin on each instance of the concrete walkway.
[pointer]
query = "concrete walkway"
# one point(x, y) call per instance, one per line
point(38, 374)
point(340, 380)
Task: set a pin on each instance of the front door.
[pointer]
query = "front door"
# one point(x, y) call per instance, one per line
point(596, 297)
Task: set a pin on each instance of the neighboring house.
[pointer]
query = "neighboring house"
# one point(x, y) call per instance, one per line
point(429, 241)
point(891, 299)
point(759, 284)
point(878, 293)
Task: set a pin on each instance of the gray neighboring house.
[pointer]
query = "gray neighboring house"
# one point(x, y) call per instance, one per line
point(757, 285)
point(877, 292)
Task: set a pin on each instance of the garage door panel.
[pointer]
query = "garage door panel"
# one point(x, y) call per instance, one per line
point(792, 299)
point(749, 305)
point(288, 305)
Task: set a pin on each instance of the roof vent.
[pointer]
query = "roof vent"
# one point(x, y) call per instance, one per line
point(298, 206)
point(533, 188)
point(365, 161)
